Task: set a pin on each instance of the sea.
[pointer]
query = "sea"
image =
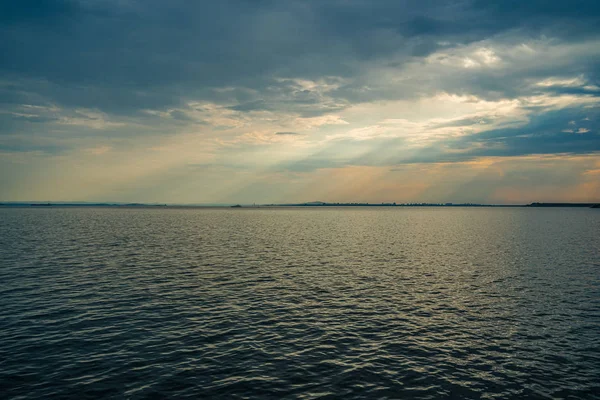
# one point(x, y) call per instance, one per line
point(299, 303)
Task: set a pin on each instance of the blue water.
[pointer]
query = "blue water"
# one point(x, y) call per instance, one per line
point(346, 303)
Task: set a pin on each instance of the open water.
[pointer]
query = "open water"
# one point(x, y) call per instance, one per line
point(423, 303)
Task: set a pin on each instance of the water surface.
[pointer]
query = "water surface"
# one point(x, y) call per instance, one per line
point(300, 303)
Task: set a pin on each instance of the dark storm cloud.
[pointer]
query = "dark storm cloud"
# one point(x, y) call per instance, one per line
point(573, 16)
point(122, 57)
point(40, 12)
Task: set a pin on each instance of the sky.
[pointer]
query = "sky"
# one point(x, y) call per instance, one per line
point(275, 101)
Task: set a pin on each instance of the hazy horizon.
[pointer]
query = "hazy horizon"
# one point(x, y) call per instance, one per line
point(314, 203)
point(279, 102)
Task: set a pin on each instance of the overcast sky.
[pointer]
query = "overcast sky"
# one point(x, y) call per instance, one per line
point(243, 101)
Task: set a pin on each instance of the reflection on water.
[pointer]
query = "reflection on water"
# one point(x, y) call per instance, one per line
point(269, 303)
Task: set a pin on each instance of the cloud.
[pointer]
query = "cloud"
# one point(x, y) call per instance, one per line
point(156, 64)
point(250, 106)
point(544, 134)
point(99, 150)
point(359, 84)
point(37, 11)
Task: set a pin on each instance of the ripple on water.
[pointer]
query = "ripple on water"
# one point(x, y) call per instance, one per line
point(299, 303)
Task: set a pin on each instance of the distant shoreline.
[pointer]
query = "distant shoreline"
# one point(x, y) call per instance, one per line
point(291, 205)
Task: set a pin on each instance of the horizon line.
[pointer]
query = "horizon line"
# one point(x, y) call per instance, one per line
point(289, 204)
